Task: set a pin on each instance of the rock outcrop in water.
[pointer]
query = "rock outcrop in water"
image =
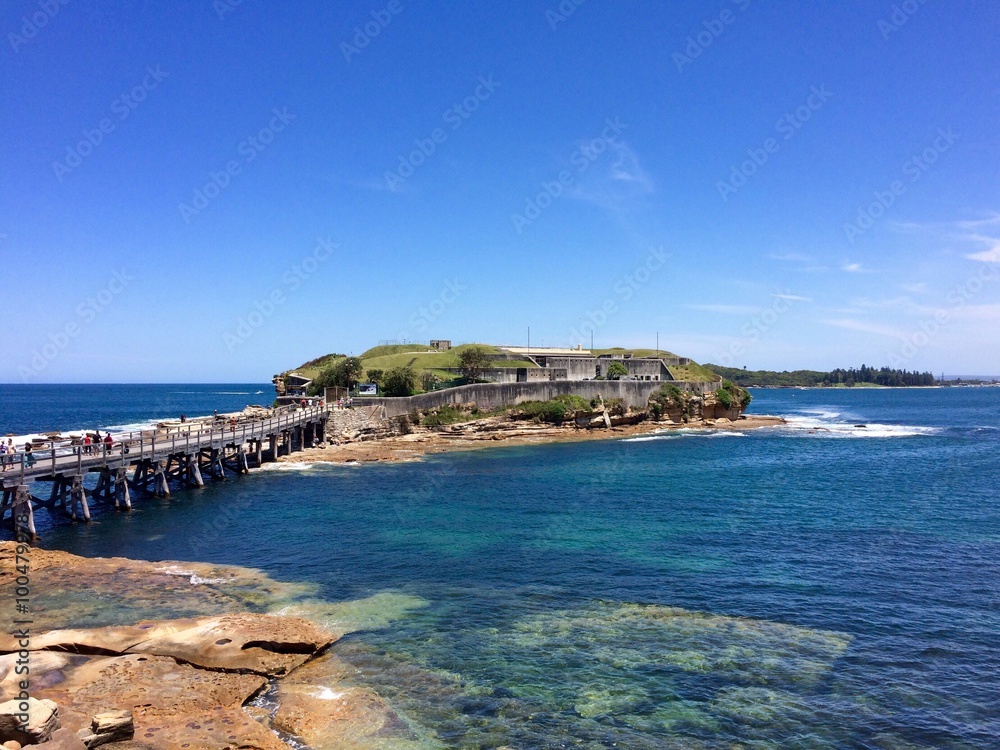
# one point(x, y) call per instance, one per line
point(186, 682)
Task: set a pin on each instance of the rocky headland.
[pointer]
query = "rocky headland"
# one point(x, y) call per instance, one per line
point(358, 435)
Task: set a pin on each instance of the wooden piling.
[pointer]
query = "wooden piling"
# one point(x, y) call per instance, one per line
point(194, 471)
point(103, 488)
point(24, 514)
point(78, 494)
point(122, 495)
point(161, 488)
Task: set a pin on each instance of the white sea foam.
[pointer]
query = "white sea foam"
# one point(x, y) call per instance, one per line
point(677, 434)
point(293, 466)
point(647, 438)
point(194, 578)
point(824, 425)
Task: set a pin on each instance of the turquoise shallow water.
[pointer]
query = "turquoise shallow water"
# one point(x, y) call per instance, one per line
point(820, 585)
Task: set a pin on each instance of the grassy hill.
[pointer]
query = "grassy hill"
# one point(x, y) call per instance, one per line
point(420, 358)
point(424, 359)
point(693, 372)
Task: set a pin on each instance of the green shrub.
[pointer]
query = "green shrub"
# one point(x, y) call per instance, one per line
point(447, 414)
point(669, 396)
point(544, 411)
point(617, 371)
point(730, 394)
point(400, 381)
point(576, 403)
point(724, 397)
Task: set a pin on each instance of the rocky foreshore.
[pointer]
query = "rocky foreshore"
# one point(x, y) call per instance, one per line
point(226, 677)
point(370, 445)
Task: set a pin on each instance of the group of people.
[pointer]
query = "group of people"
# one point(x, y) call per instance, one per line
point(8, 451)
point(91, 445)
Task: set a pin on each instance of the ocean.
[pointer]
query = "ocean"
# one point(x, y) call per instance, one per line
point(817, 585)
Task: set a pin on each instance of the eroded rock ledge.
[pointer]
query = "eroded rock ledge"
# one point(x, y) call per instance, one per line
point(187, 681)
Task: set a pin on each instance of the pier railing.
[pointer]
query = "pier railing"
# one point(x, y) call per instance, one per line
point(130, 447)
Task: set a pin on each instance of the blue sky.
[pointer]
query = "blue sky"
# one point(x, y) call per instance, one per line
point(219, 191)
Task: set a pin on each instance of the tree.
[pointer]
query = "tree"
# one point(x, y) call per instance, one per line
point(375, 376)
point(399, 381)
point(327, 378)
point(473, 362)
point(342, 374)
point(617, 371)
point(351, 369)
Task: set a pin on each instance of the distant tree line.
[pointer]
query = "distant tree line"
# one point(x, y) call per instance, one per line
point(815, 378)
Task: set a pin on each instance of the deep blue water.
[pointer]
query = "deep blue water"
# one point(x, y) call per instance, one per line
point(816, 586)
point(34, 408)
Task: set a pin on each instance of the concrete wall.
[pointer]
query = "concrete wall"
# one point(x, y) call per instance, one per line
point(488, 396)
point(509, 374)
point(645, 369)
point(577, 368)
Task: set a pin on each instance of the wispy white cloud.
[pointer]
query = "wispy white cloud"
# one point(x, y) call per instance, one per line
point(626, 167)
point(989, 312)
point(792, 297)
point(724, 309)
point(614, 185)
point(993, 220)
point(865, 326)
point(974, 232)
point(866, 303)
point(992, 252)
point(917, 288)
point(790, 257)
point(852, 268)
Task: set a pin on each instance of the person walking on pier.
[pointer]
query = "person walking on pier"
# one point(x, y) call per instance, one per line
point(87, 444)
point(108, 442)
point(29, 457)
point(3, 455)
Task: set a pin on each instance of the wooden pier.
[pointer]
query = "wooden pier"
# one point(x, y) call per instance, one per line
point(148, 462)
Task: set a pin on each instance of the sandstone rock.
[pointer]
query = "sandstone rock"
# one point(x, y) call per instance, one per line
point(65, 739)
point(110, 726)
point(327, 715)
point(265, 644)
point(167, 699)
point(77, 592)
point(41, 662)
point(42, 720)
point(11, 745)
point(209, 728)
point(101, 684)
